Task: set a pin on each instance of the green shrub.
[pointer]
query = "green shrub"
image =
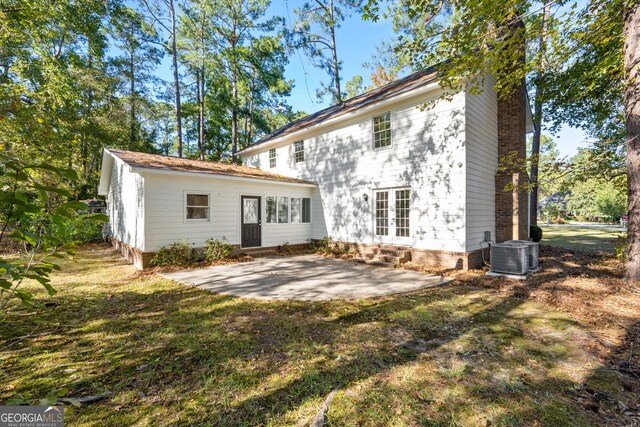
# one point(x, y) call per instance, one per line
point(327, 246)
point(178, 253)
point(80, 230)
point(217, 250)
point(323, 246)
point(285, 247)
point(535, 233)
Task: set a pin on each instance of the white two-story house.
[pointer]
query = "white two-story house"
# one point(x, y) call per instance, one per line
point(397, 166)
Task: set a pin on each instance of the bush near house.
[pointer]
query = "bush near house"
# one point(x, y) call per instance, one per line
point(327, 246)
point(217, 250)
point(535, 232)
point(177, 253)
point(82, 231)
point(182, 254)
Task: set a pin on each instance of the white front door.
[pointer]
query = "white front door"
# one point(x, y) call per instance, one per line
point(392, 209)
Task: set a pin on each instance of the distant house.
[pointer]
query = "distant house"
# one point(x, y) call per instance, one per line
point(94, 206)
point(376, 170)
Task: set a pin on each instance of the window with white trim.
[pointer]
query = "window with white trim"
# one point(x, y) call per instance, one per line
point(300, 210)
point(272, 210)
point(382, 213)
point(197, 206)
point(402, 212)
point(298, 151)
point(272, 158)
point(382, 130)
point(306, 209)
point(283, 210)
point(296, 216)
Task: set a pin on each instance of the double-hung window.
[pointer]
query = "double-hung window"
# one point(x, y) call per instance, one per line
point(272, 210)
point(272, 158)
point(298, 151)
point(197, 207)
point(382, 130)
point(283, 210)
point(300, 210)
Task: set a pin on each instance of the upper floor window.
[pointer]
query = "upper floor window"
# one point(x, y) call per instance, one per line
point(382, 130)
point(298, 151)
point(272, 158)
point(197, 206)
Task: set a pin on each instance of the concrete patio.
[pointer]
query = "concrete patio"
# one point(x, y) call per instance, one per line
point(305, 278)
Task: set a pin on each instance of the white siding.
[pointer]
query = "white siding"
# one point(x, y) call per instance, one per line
point(427, 154)
point(165, 210)
point(482, 163)
point(125, 205)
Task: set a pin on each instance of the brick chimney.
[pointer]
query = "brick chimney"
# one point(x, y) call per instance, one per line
point(512, 198)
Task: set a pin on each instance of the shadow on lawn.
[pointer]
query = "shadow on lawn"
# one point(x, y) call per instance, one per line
point(213, 359)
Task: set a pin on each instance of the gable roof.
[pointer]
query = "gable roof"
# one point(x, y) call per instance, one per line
point(169, 163)
point(382, 93)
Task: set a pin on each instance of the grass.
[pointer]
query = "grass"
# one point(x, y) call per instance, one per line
point(581, 238)
point(482, 351)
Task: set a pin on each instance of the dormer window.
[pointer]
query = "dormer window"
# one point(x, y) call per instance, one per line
point(298, 151)
point(382, 130)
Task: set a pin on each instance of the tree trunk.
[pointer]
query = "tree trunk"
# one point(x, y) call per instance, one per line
point(632, 120)
point(89, 113)
point(234, 88)
point(234, 117)
point(537, 117)
point(201, 128)
point(198, 95)
point(132, 96)
point(202, 92)
point(250, 114)
point(176, 79)
point(334, 53)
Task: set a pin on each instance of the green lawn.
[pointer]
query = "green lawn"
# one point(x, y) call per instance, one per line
point(483, 351)
point(581, 238)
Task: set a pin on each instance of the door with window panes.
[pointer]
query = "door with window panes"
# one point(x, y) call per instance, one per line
point(392, 209)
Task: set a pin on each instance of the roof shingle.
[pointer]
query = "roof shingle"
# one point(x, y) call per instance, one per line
point(156, 161)
point(398, 87)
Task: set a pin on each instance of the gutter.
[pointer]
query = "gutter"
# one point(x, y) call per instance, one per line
point(143, 170)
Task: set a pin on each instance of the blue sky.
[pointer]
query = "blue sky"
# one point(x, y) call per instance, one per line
point(356, 41)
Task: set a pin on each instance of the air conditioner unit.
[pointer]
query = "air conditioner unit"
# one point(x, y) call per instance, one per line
point(534, 252)
point(510, 258)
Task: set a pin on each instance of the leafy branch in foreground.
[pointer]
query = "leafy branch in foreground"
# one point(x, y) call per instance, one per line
point(36, 212)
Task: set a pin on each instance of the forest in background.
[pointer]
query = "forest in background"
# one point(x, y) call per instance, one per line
point(81, 75)
point(77, 76)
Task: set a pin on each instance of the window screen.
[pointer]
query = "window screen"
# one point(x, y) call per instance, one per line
point(197, 206)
